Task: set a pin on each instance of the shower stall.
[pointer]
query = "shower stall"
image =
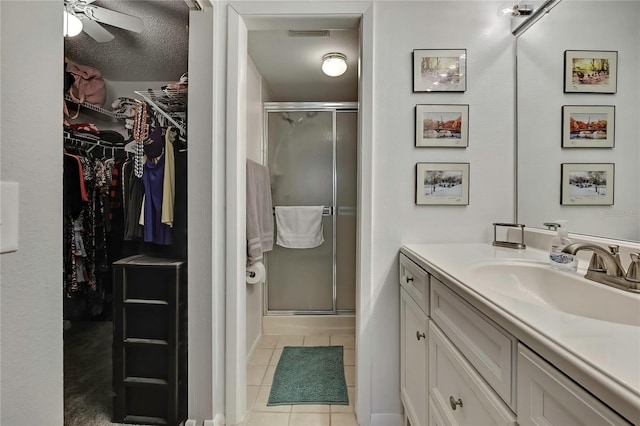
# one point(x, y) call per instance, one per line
point(311, 152)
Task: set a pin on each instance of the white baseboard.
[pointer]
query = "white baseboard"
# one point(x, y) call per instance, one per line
point(386, 419)
point(253, 346)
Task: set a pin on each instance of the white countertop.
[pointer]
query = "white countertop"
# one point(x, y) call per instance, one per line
point(602, 356)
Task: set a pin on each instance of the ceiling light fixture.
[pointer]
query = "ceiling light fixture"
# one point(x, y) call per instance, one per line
point(72, 25)
point(334, 64)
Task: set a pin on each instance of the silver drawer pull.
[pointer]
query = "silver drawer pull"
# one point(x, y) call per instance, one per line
point(420, 335)
point(454, 403)
point(409, 279)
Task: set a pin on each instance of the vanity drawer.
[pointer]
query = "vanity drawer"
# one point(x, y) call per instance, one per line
point(488, 348)
point(435, 418)
point(459, 394)
point(547, 396)
point(415, 281)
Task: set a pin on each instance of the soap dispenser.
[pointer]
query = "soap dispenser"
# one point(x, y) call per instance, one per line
point(558, 259)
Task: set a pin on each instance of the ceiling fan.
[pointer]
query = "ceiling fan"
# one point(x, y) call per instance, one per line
point(92, 17)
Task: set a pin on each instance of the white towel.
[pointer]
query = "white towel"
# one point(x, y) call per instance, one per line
point(259, 212)
point(299, 227)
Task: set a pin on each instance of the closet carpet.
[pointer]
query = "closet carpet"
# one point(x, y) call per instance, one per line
point(87, 373)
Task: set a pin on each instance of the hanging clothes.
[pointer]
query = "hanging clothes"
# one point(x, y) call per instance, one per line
point(169, 180)
point(134, 193)
point(86, 265)
point(153, 177)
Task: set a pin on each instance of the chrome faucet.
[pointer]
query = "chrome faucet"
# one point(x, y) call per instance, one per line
point(605, 266)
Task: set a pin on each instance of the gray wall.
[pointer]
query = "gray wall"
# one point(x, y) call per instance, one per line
point(31, 154)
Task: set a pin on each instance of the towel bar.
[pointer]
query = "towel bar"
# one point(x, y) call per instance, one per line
point(326, 211)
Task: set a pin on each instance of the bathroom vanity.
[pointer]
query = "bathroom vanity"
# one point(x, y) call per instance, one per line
point(493, 336)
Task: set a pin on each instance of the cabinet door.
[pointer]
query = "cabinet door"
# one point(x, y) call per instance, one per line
point(414, 362)
point(547, 397)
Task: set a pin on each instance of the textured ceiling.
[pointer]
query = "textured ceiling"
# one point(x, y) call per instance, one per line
point(158, 53)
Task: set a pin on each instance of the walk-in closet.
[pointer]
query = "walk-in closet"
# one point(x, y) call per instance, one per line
point(125, 145)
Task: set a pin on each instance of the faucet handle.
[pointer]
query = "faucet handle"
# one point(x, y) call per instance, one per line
point(633, 274)
point(597, 264)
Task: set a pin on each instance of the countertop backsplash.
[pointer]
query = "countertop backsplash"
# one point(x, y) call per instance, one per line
point(541, 239)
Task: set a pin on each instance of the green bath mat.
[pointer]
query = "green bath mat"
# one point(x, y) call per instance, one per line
point(309, 375)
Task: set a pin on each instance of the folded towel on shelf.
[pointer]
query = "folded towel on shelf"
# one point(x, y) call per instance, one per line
point(259, 212)
point(299, 226)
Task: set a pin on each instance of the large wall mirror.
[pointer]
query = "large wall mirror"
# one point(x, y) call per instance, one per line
point(596, 129)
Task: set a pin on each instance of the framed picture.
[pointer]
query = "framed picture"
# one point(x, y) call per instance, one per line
point(588, 126)
point(439, 70)
point(442, 126)
point(586, 184)
point(590, 71)
point(442, 184)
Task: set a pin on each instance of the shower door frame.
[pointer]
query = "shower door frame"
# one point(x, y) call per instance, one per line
point(333, 107)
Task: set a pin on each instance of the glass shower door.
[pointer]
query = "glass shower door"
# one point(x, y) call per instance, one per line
point(302, 162)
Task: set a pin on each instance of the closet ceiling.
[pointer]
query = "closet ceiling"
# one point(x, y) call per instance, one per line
point(158, 53)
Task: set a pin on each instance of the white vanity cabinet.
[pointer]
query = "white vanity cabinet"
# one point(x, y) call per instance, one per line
point(414, 347)
point(438, 385)
point(469, 370)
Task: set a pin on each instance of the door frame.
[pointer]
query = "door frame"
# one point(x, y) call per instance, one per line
point(242, 16)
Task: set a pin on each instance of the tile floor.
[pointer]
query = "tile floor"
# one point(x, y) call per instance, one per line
point(261, 367)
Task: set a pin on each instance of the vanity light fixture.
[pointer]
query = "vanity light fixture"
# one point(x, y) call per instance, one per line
point(517, 10)
point(71, 25)
point(522, 10)
point(334, 64)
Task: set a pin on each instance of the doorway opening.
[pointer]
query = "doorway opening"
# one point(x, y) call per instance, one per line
point(286, 93)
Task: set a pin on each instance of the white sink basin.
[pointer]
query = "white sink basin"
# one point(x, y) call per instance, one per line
point(535, 282)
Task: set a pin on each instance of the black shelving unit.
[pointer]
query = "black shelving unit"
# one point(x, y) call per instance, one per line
point(149, 340)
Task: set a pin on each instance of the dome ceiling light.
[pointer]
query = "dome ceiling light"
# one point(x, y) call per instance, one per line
point(334, 64)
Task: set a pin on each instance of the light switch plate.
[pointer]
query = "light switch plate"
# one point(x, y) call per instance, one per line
point(8, 217)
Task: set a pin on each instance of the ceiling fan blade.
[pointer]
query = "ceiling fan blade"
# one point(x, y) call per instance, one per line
point(116, 19)
point(95, 30)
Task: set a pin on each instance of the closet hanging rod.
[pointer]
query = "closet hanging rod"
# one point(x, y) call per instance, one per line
point(118, 115)
point(81, 143)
